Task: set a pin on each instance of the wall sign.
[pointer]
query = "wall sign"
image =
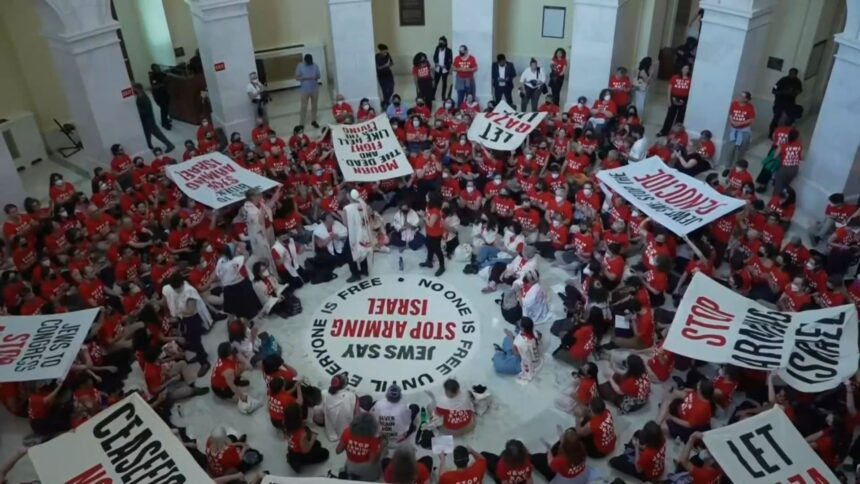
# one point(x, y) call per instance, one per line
point(411, 330)
point(219, 66)
point(127, 93)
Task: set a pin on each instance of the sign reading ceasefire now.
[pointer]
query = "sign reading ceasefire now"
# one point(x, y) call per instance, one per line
point(411, 330)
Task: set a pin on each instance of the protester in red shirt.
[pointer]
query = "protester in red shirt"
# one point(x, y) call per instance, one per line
point(512, 466)
point(679, 92)
point(741, 117)
point(464, 66)
point(597, 429)
point(341, 110)
point(403, 467)
point(648, 461)
point(706, 470)
point(790, 155)
point(566, 458)
point(363, 446)
point(121, 163)
point(620, 85)
point(465, 471)
point(688, 411)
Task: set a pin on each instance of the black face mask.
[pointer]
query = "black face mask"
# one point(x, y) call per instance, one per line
point(396, 103)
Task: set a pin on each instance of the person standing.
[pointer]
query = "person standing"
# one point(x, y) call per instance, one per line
point(158, 83)
point(257, 94)
point(257, 215)
point(384, 62)
point(442, 58)
point(422, 74)
point(187, 307)
point(308, 75)
point(741, 117)
point(643, 82)
point(147, 119)
point(785, 93)
point(356, 216)
point(435, 230)
point(533, 82)
point(465, 66)
point(558, 70)
point(503, 75)
point(620, 86)
point(679, 92)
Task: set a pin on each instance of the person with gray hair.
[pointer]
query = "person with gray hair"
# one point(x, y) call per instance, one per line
point(363, 446)
point(403, 468)
point(396, 418)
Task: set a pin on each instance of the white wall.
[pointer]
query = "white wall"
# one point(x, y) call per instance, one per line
point(629, 13)
point(155, 31)
point(135, 43)
point(518, 27)
point(404, 42)
point(14, 95)
point(181, 27)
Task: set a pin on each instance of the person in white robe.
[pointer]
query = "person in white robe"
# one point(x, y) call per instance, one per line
point(256, 213)
point(356, 216)
point(520, 353)
point(339, 406)
point(405, 227)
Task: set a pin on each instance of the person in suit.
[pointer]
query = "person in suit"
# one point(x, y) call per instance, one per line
point(158, 82)
point(503, 75)
point(442, 58)
point(384, 75)
point(147, 119)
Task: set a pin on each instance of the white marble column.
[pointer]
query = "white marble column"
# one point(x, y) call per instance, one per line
point(86, 51)
point(354, 50)
point(472, 26)
point(832, 162)
point(593, 47)
point(227, 53)
point(729, 56)
point(11, 186)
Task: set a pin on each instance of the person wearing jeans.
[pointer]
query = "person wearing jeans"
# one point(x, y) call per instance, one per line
point(465, 66)
point(679, 92)
point(533, 81)
point(308, 75)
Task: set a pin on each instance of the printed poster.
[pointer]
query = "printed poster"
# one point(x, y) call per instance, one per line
point(369, 151)
point(42, 347)
point(503, 129)
point(215, 180)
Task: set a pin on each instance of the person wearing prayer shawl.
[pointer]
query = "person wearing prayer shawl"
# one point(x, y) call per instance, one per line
point(520, 353)
point(256, 213)
point(356, 216)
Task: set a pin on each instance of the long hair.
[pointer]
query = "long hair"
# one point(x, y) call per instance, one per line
point(218, 439)
point(364, 425)
point(572, 448)
point(404, 469)
point(515, 454)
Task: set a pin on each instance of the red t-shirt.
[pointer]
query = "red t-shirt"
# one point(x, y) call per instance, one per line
point(422, 477)
point(473, 473)
point(219, 381)
point(514, 475)
point(564, 468)
point(680, 86)
point(435, 230)
point(359, 449)
point(603, 432)
point(652, 462)
point(219, 463)
point(584, 344)
point(636, 387)
point(455, 419)
point(791, 153)
point(468, 63)
point(695, 410)
point(621, 98)
point(741, 115)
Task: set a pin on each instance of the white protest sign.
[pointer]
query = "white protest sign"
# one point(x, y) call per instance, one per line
point(127, 442)
point(407, 329)
point(503, 129)
point(674, 200)
point(269, 479)
point(766, 448)
point(215, 180)
point(369, 151)
point(41, 347)
point(812, 350)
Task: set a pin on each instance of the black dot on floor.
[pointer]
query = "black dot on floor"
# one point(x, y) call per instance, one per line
point(399, 279)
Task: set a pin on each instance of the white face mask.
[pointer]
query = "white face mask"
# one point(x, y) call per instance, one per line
point(318, 172)
point(554, 175)
point(445, 175)
point(462, 141)
point(265, 273)
point(416, 123)
point(470, 189)
point(448, 105)
point(588, 192)
point(810, 266)
point(795, 287)
point(203, 264)
point(636, 213)
point(582, 105)
point(556, 223)
point(208, 249)
point(365, 106)
point(497, 179)
point(558, 199)
point(58, 183)
point(607, 97)
point(529, 156)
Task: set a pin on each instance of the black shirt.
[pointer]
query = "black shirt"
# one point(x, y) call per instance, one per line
point(144, 108)
point(786, 90)
point(381, 60)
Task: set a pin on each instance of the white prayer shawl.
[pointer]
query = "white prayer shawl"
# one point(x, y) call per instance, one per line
point(531, 358)
point(339, 409)
point(519, 266)
point(288, 255)
point(358, 226)
point(177, 301)
point(260, 236)
point(452, 223)
point(513, 242)
point(407, 224)
point(481, 235)
point(535, 304)
point(268, 300)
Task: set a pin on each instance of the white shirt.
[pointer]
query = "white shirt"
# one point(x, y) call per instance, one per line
point(407, 224)
point(501, 69)
point(229, 270)
point(254, 89)
point(394, 419)
point(531, 78)
point(639, 150)
point(440, 59)
point(336, 245)
point(519, 266)
point(339, 409)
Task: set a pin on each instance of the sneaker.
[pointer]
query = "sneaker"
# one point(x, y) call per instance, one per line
point(428, 265)
point(497, 347)
point(488, 289)
point(169, 149)
point(679, 382)
point(241, 382)
point(199, 391)
point(353, 278)
point(204, 369)
point(610, 346)
point(761, 189)
point(439, 272)
point(315, 124)
point(726, 173)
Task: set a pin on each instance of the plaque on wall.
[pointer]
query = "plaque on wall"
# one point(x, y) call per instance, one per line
point(411, 13)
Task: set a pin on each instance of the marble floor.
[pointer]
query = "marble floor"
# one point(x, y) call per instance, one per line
point(517, 411)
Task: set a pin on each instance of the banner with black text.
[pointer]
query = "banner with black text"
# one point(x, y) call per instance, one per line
point(41, 347)
point(503, 129)
point(369, 151)
point(766, 448)
point(215, 180)
point(812, 351)
point(126, 442)
point(674, 200)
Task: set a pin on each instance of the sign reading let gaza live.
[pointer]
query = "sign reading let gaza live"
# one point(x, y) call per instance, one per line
point(411, 330)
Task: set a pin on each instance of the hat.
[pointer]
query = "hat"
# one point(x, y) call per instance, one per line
point(337, 383)
point(461, 456)
point(529, 251)
point(353, 194)
point(393, 393)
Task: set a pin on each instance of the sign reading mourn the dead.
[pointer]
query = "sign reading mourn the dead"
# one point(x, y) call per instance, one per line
point(674, 200)
point(41, 347)
point(503, 129)
point(127, 442)
point(411, 330)
point(766, 448)
point(215, 180)
point(369, 151)
point(812, 350)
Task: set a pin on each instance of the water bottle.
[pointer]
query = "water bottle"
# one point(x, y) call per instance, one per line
point(424, 419)
point(400, 263)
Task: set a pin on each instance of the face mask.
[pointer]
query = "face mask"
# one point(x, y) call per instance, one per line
point(462, 52)
point(203, 264)
point(588, 192)
point(470, 189)
point(445, 175)
point(318, 172)
point(556, 223)
point(462, 141)
point(554, 175)
point(795, 287)
point(497, 179)
point(529, 156)
point(810, 266)
point(558, 199)
point(416, 123)
point(636, 213)
point(365, 106)
point(607, 97)
point(448, 105)
point(265, 273)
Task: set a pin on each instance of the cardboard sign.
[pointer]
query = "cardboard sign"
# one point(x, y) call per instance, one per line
point(504, 129)
point(41, 347)
point(215, 180)
point(812, 351)
point(766, 448)
point(674, 200)
point(369, 151)
point(411, 330)
point(126, 442)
